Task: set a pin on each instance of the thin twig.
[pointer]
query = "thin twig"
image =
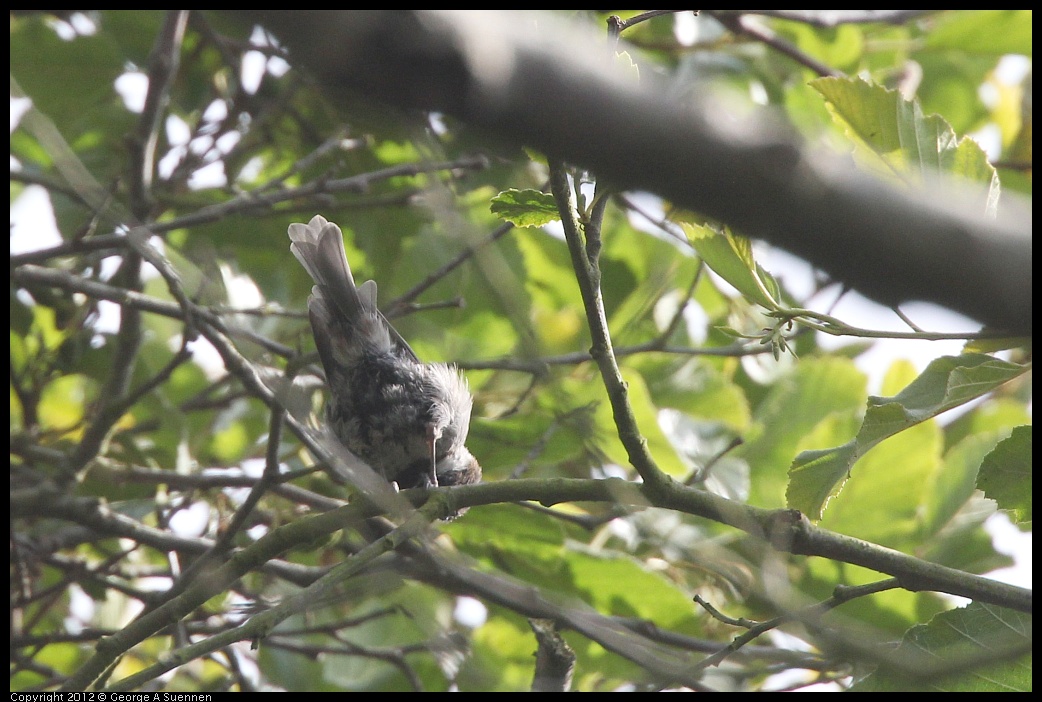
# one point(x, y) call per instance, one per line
point(587, 272)
point(163, 65)
point(253, 201)
point(396, 306)
point(741, 24)
point(834, 18)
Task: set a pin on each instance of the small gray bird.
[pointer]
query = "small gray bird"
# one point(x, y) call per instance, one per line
point(408, 420)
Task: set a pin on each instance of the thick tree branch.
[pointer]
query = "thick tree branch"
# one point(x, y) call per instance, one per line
point(554, 658)
point(546, 86)
point(786, 530)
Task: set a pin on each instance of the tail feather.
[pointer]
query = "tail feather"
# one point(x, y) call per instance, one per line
point(335, 299)
point(319, 246)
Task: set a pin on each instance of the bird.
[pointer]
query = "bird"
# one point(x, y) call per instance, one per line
point(408, 420)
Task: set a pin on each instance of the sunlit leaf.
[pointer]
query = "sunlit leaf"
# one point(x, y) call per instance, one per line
point(526, 208)
point(894, 138)
point(1005, 475)
point(976, 636)
point(730, 257)
point(946, 383)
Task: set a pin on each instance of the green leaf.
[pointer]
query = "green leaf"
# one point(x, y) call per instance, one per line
point(995, 32)
point(521, 543)
point(955, 481)
point(890, 613)
point(730, 256)
point(622, 586)
point(697, 389)
point(501, 659)
point(978, 632)
point(947, 382)
point(817, 476)
point(525, 208)
point(637, 271)
point(995, 345)
point(893, 138)
point(71, 81)
point(842, 47)
point(1005, 475)
point(63, 402)
point(816, 403)
point(884, 504)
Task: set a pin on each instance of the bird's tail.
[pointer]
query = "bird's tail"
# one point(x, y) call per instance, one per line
point(319, 246)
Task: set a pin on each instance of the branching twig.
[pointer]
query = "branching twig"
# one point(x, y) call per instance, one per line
point(587, 272)
point(783, 532)
point(834, 18)
point(163, 65)
point(741, 24)
point(258, 626)
point(396, 306)
point(29, 275)
point(253, 201)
